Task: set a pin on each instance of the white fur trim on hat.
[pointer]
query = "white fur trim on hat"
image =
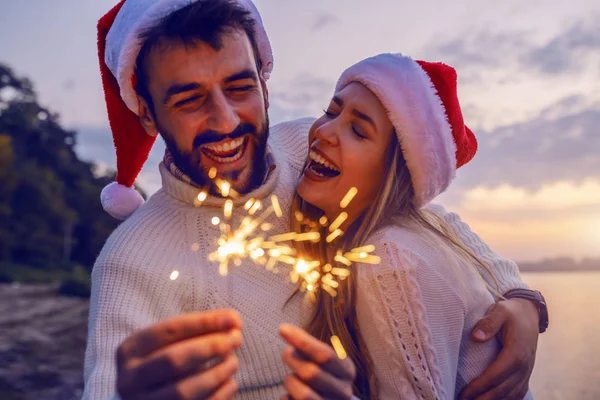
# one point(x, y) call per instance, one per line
point(418, 116)
point(136, 16)
point(120, 201)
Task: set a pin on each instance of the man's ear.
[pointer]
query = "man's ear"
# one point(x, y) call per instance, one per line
point(146, 117)
point(265, 89)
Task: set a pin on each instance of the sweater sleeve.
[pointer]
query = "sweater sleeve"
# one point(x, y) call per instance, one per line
point(414, 316)
point(505, 271)
point(291, 141)
point(126, 296)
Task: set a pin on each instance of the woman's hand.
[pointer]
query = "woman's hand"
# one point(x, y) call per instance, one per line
point(318, 373)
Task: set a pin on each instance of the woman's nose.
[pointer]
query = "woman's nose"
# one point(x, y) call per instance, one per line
point(327, 133)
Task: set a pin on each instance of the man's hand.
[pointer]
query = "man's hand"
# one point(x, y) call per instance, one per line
point(516, 322)
point(169, 360)
point(318, 373)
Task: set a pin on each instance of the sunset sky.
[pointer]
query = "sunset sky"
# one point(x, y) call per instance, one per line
point(529, 83)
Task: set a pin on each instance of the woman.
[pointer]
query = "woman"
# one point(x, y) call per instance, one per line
point(395, 131)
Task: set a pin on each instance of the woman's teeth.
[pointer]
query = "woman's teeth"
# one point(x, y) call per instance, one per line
point(321, 167)
point(318, 173)
point(318, 159)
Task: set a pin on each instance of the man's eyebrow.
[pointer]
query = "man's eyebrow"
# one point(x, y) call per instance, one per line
point(245, 74)
point(178, 88)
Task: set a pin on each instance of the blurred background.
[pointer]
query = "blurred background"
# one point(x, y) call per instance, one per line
point(529, 83)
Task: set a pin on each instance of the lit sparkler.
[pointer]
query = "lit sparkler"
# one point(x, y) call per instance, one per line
point(248, 241)
point(250, 237)
point(251, 240)
point(311, 275)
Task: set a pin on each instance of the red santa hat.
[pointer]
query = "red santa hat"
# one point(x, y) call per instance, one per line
point(422, 104)
point(118, 48)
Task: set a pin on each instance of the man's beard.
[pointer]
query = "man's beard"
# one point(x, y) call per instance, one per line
point(190, 162)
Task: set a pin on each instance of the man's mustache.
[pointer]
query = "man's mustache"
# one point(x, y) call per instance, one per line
point(210, 136)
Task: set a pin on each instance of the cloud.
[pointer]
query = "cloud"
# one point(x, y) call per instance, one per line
point(535, 236)
point(561, 218)
point(551, 199)
point(323, 20)
point(564, 52)
point(482, 49)
point(568, 51)
point(304, 88)
point(306, 95)
point(558, 145)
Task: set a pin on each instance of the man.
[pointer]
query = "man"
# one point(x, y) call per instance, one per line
point(195, 72)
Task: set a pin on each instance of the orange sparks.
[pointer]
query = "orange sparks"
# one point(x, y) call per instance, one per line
point(334, 235)
point(276, 207)
point(337, 346)
point(348, 197)
point(338, 221)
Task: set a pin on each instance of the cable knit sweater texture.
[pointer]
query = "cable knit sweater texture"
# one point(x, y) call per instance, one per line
point(413, 314)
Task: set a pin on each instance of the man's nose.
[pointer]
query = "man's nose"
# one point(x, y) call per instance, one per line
point(223, 115)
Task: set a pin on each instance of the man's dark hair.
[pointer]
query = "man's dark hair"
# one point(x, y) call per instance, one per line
point(203, 20)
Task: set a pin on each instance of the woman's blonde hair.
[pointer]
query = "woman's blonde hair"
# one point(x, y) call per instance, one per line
point(393, 204)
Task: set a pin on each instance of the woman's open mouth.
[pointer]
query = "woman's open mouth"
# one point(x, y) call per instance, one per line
point(321, 167)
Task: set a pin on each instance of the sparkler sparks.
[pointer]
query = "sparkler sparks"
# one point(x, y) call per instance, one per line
point(251, 240)
point(339, 349)
point(228, 208)
point(348, 197)
point(334, 235)
point(225, 188)
point(248, 241)
point(311, 275)
point(276, 207)
point(338, 221)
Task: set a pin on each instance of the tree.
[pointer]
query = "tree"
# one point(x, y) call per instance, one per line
point(50, 212)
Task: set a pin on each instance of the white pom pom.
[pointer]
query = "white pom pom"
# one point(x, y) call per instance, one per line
point(120, 201)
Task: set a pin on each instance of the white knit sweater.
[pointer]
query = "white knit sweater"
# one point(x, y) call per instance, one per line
point(416, 311)
point(131, 290)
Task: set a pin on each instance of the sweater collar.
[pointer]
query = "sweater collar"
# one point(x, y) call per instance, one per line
point(180, 186)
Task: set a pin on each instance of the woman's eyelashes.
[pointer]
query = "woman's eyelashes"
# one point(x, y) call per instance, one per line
point(355, 130)
point(357, 133)
point(329, 113)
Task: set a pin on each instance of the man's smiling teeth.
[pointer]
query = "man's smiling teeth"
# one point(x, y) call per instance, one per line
point(229, 146)
point(225, 153)
point(317, 158)
point(224, 159)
